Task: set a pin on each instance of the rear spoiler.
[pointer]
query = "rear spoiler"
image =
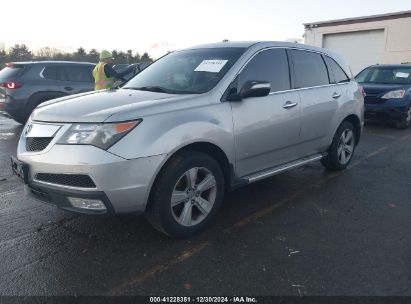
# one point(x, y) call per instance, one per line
point(14, 65)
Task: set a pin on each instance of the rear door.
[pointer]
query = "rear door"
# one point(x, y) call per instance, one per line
point(319, 99)
point(79, 79)
point(54, 79)
point(266, 129)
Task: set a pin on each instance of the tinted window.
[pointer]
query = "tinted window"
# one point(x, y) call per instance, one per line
point(310, 69)
point(270, 66)
point(55, 73)
point(337, 71)
point(78, 74)
point(11, 72)
point(186, 72)
point(385, 75)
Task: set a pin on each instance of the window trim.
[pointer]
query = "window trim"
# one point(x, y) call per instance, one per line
point(293, 89)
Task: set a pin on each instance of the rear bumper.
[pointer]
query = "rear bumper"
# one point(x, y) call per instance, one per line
point(14, 108)
point(387, 111)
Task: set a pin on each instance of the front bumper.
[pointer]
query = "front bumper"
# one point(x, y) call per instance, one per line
point(122, 185)
point(390, 110)
point(60, 197)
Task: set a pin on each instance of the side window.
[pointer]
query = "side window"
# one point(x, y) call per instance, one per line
point(55, 73)
point(50, 72)
point(78, 74)
point(336, 70)
point(271, 66)
point(310, 69)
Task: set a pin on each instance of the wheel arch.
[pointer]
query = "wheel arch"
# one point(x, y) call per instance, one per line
point(208, 148)
point(356, 122)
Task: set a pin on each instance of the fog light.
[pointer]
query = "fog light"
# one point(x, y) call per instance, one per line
point(85, 203)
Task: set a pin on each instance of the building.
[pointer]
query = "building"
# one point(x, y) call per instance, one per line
point(364, 41)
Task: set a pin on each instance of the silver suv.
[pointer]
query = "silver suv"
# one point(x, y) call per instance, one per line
point(190, 127)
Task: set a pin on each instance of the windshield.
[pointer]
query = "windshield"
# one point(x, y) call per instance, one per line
point(186, 72)
point(385, 75)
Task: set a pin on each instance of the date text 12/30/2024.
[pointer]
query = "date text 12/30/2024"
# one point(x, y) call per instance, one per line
point(203, 300)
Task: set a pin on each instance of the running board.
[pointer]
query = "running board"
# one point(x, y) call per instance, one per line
point(288, 166)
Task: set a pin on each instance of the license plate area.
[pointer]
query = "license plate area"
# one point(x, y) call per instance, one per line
point(20, 169)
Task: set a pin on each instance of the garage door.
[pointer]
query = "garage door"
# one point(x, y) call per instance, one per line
point(361, 49)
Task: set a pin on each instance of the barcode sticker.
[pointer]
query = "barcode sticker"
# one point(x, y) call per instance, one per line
point(213, 66)
point(402, 75)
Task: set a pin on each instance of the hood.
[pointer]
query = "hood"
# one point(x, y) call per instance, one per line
point(98, 106)
point(374, 89)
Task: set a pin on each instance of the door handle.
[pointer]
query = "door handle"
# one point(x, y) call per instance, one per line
point(289, 105)
point(68, 88)
point(336, 95)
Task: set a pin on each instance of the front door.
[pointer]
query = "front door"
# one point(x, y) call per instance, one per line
point(266, 129)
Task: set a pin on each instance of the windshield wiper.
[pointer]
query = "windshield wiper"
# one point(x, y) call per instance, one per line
point(151, 89)
point(160, 90)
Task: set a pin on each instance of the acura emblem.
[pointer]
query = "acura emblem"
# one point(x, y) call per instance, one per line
point(28, 129)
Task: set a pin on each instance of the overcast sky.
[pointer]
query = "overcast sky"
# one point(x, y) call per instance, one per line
point(157, 26)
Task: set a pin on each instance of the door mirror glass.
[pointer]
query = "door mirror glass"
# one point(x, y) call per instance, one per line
point(254, 88)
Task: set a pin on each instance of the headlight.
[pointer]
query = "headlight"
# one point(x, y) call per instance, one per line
point(394, 94)
point(99, 135)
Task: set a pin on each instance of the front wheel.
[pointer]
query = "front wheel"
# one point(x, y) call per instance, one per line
point(187, 194)
point(405, 122)
point(342, 148)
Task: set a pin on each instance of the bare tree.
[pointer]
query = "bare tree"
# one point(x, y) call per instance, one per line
point(47, 53)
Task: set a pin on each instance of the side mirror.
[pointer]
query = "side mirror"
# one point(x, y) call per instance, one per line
point(255, 88)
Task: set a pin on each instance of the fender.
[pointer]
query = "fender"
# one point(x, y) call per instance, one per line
point(168, 132)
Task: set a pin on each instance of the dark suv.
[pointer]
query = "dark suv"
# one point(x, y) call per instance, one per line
point(24, 85)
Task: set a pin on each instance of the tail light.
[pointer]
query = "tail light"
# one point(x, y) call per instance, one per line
point(11, 85)
point(363, 91)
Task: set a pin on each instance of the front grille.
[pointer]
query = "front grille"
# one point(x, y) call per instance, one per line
point(373, 100)
point(72, 180)
point(36, 144)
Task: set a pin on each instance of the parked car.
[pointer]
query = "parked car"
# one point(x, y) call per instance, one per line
point(190, 127)
point(25, 85)
point(388, 93)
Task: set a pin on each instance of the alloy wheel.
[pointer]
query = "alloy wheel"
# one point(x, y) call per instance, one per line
point(346, 146)
point(193, 196)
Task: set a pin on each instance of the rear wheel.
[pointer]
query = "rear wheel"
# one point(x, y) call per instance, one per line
point(342, 148)
point(405, 122)
point(187, 195)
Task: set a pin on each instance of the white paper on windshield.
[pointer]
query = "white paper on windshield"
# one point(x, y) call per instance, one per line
point(402, 75)
point(213, 66)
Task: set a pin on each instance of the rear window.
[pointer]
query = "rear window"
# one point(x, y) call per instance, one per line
point(79, 74)
point(337, 71)
point(55, 73)
point(385, 75)
point(11, 72)
point(310, 69)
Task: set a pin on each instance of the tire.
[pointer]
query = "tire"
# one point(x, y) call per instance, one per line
point(405, 122)
point(342, 148)
point(193, 208)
